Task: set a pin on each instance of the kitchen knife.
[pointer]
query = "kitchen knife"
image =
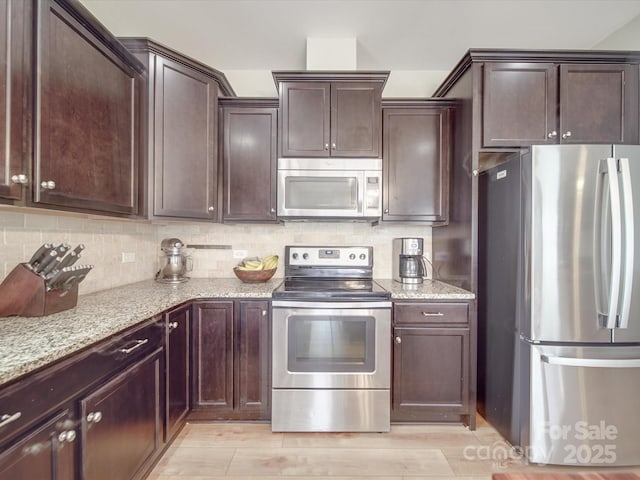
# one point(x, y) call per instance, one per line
point(55, 265)
point(39, 255)
point(69, 259)
point(51, 256)
point(62, 249)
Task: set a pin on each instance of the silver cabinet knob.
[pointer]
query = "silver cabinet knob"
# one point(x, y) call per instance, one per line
point(211, 209)
point(398, 340)
point(566, 135)
point(333, 146)
point(67, 436)
point(21, 179)
point(273, 210)
point(48, 185)
point(326, 146)
point(552, 134)
point(94, 417)
point(173, 325)
point(264, 313)
point(476, 172)
point(386, 210)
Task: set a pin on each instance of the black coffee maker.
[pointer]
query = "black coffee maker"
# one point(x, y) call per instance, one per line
point(409, 264)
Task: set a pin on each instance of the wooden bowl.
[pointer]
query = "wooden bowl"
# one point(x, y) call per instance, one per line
point(254, 276)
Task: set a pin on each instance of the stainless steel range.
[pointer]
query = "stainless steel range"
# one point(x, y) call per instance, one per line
point(331, 343)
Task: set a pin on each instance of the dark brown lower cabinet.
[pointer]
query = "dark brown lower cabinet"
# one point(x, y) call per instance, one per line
point(47, 452)
point(231, 359)
point(177, 370)
point(121, 423)
point(431, 363)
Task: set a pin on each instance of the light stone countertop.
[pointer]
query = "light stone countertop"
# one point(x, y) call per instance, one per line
point(29, 343)
point(428, 290)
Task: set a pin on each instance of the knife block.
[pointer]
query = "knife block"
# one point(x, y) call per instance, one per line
point(25, 293)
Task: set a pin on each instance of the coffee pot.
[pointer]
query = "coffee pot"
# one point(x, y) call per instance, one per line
point(409, 264)
point(174, 263)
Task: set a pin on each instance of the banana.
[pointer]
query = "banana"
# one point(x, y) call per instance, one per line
point(254, 263)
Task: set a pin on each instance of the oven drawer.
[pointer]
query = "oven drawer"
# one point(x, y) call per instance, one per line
point(431, 313)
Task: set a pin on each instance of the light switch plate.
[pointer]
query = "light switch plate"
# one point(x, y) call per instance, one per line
point(239, 254)
point(128, 257)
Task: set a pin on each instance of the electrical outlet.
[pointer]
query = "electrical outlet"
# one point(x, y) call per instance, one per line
point(239, 254)
point(128, 257)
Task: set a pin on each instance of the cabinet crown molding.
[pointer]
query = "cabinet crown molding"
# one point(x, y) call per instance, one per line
point(330, 76)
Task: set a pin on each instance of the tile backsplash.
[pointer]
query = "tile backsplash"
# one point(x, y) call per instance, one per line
point(22, 231)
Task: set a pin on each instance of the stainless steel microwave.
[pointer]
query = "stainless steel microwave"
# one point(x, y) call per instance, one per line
point(329, 188)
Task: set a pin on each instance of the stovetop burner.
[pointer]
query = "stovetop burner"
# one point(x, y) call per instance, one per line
point(329, 273)
point(330, 289)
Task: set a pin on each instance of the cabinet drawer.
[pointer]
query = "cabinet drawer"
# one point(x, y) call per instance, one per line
point(431, 313)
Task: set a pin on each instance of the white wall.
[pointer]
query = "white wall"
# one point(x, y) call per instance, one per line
point(625, 38)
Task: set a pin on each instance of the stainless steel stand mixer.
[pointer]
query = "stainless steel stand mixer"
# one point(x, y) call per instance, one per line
point(174, 262)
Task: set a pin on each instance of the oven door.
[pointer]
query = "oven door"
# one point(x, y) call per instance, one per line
point(331, 345)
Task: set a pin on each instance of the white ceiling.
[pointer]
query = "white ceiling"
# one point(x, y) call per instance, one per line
point(391, 34)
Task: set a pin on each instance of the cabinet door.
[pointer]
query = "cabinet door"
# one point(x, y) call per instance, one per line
point(305, 119)
point(430, 373)
point(249, 159)
point(213, 352)
point(15, 140)
point(177, 369)
point(356, 119)
point(121, 423)
point(598, 104)
point(46, 453)
point(85, 155)
point(416, 164)
point(253, 379)
point(519, 104)
point(185, 151)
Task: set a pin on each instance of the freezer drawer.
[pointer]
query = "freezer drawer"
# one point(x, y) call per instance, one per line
point(583, 405)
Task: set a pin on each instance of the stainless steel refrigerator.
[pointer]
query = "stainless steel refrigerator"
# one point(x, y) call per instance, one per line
point(559, 303)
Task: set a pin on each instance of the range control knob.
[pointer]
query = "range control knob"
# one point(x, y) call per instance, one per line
point(352, 256)
point(294, 255)
point(362, 256)
point(305, 256)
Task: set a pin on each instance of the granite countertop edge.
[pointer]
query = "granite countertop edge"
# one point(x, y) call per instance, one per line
point(30, 343)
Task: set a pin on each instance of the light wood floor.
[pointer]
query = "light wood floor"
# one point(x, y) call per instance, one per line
point(216, 451)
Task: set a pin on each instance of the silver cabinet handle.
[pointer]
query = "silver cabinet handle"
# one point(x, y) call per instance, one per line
point(48, 185)
point(137, 345)
point(552, 134)
point(21, 179)
point(398, 340)
point(7, 419)
point(326, 146)
point(94, 417)
point(432, 314)
point(566, 135)
point(211, 209)
point(173, 325)
point(67, 436)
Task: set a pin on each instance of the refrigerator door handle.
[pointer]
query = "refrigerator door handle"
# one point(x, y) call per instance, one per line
point(616, 241)
point(629, 240)
point(592, 362)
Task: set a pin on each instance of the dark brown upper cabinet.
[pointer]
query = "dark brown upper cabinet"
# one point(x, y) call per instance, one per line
point(416, 157)
point(179, 151)
point(15, 99)
point(330, 114)
point(86, 144)
point(249, 129)
point(537, 103)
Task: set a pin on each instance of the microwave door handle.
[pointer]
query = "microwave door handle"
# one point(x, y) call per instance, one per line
point(360, 192)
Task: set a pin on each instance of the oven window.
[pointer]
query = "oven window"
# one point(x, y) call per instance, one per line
point(331, 344)
point(327, 193)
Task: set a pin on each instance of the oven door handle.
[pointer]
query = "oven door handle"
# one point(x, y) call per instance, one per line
point(330, 305)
